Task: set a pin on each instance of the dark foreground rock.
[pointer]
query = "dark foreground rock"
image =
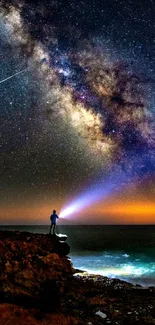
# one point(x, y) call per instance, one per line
point(33, 268)
point(38, 286)
point(100, 300)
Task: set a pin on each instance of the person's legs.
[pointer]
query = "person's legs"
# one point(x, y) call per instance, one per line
point(53, 228)
point(50, 229)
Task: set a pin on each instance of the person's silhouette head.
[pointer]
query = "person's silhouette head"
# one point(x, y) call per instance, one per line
point(54, 211)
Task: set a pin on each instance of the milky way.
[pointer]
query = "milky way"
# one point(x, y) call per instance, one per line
point(82, 93)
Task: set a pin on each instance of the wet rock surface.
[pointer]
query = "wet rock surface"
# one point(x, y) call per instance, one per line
point(38, 286)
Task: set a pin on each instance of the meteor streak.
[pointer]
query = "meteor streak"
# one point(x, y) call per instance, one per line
point(15, 74)
point(42, 61)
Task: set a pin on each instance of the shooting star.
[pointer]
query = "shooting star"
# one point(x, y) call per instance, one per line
point(42, 61)
point(12, 76)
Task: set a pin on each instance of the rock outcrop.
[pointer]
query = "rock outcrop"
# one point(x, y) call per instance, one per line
point(33, 268)
point(38, 287)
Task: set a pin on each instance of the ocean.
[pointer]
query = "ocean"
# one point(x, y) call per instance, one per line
point(124, 252)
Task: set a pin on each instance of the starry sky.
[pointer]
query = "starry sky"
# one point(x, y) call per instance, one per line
point(80, 113)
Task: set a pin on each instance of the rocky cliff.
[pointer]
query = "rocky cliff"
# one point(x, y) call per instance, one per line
point(33, 268)
point(38, 287)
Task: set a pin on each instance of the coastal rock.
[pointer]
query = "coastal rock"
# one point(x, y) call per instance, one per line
point(33, 267)
point(38, 285)
point(13, 315)
point(99, 300)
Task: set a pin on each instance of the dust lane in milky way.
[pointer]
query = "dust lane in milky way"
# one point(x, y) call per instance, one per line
point(81, 106)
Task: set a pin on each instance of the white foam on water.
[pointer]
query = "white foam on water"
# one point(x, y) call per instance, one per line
point(118, 265)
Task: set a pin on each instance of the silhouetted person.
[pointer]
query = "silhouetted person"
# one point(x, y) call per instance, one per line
point(53, 219)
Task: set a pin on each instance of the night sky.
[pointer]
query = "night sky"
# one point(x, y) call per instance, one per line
point(80, 116)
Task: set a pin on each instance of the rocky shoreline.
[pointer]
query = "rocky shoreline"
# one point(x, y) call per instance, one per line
point(38, 285)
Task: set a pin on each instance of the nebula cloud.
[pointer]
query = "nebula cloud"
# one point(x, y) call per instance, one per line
point(103, 100)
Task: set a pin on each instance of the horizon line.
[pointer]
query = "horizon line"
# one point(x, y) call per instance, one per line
point(80, 224)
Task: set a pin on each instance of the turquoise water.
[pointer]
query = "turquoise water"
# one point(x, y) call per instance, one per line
point(125, 252)
point(135, 268)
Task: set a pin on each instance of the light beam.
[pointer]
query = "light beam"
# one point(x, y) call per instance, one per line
point(97, 192)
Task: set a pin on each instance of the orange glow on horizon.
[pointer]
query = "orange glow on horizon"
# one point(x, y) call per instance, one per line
point(108, 213)
point(129, 213)
point(144, 209)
